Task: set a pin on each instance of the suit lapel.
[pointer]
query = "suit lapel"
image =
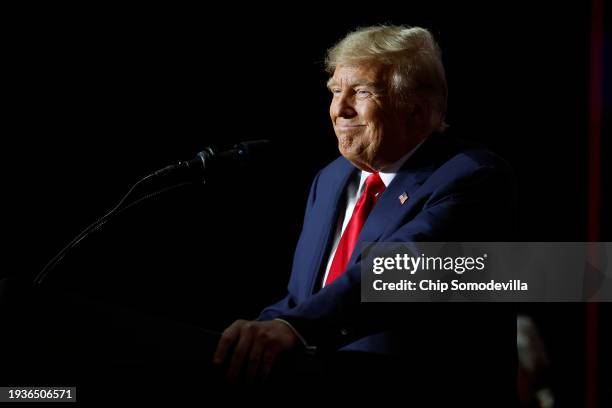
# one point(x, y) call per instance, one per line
point(332, 200)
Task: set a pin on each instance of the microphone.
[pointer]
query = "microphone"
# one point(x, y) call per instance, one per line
point(209, 158)
point(204, 161)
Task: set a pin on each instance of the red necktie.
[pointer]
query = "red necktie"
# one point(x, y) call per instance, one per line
point(374, 186)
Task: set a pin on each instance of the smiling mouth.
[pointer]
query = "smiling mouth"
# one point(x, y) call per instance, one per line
point(349, 127)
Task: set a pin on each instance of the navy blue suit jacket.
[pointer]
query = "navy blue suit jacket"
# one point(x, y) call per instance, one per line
point(457, 192)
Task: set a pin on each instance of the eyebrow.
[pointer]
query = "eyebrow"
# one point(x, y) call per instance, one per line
point(331, 82)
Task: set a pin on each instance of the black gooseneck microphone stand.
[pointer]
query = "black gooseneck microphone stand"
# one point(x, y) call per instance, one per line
point(191, 169)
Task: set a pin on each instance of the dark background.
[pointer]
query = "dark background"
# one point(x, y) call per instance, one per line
point(102, 96)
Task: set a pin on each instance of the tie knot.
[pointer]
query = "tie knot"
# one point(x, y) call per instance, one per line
point(374, 184)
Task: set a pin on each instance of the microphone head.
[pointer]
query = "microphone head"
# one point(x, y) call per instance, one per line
point(211, 159)
point(251, 149)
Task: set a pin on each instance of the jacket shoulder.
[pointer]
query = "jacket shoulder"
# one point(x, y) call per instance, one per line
point(458, 158)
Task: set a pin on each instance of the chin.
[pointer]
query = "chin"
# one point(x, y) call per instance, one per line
point(345, 141)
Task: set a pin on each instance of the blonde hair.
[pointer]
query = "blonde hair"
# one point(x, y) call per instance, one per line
point(415, 58)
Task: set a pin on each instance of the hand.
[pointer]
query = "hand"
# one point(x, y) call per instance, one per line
point(257, 345)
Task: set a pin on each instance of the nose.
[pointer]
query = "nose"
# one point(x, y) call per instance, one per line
point(342, 106)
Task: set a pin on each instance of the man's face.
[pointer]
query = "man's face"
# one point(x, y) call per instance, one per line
point(371, 132)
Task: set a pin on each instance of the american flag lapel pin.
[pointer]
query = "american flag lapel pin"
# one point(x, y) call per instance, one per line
point(403, 198)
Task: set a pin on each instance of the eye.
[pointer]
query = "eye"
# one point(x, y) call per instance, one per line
point(335, 91)
point(363, 93)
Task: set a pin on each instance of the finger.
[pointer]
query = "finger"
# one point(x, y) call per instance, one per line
point(227, 340)
point(266, 363)
point(255, 356)
point(240, 353)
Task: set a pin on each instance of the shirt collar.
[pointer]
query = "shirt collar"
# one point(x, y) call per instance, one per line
point(389, 173)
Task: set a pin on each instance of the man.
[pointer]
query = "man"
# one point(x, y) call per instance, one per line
point(398, 180)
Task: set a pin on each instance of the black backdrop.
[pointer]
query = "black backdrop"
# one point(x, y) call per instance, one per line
point(102, 96)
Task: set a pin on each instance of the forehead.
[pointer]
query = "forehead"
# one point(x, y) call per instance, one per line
point(349, 75)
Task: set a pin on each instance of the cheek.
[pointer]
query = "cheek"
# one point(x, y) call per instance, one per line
point(371, 113)
point(374, 120)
